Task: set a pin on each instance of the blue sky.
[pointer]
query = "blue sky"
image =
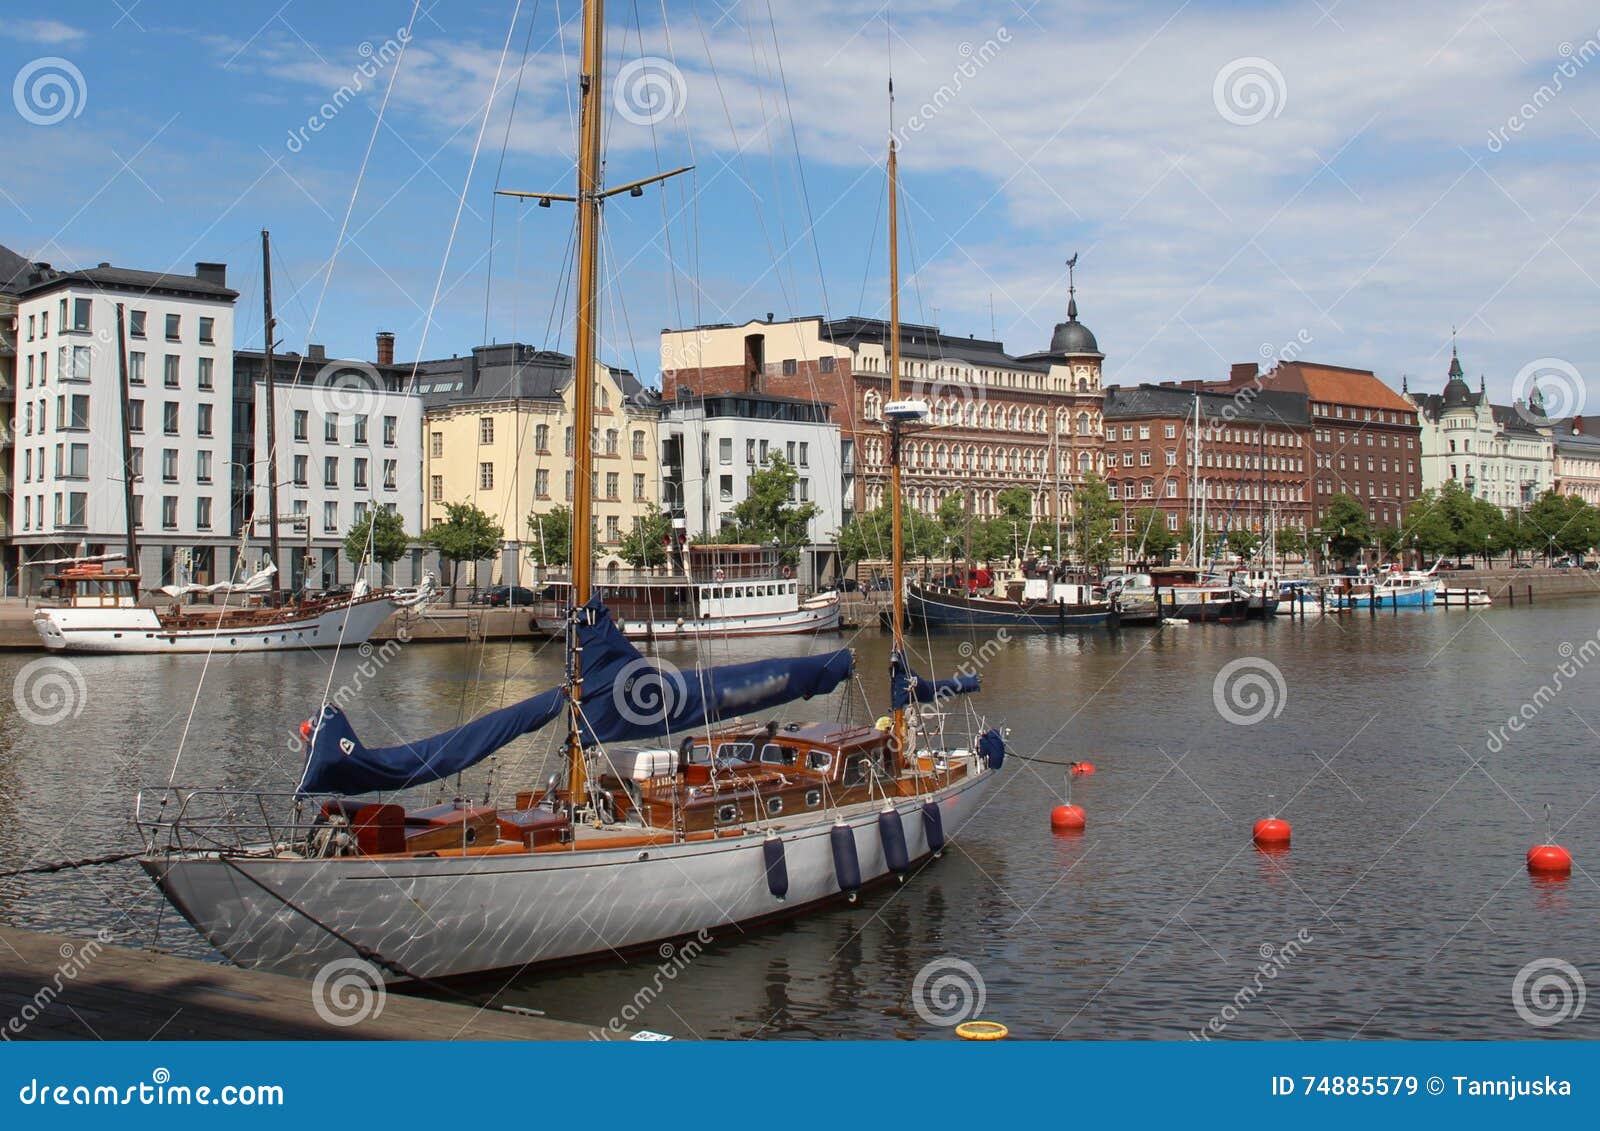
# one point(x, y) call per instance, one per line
point(1340, 178)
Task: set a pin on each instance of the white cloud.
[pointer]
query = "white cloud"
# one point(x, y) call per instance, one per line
point(47, 32)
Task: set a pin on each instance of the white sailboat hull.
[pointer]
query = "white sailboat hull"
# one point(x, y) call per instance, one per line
point(443, 916)
point(138, 629)
point(820, 615)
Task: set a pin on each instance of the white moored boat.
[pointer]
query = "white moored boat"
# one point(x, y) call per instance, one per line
point(98, 610)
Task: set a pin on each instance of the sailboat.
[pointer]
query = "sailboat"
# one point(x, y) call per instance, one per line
point(681, 809)
point(97, 606)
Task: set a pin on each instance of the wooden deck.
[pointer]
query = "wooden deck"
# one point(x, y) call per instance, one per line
point(113, 993)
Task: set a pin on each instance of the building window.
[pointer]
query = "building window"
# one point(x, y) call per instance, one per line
point(169, 512)
point(725, 488)
point(638, 487)
point(330, 517)
point(361, 429)
point(569, 484)
point(611, 484)
point(302, 425)
point(206, 371)
point(638, 445)
point(202, 512)
point(725, 450)
point(330, 427)
point(208, 331)
point(72, 414)
point(613, 528)
point(330, 471)
point(203, 419)
point(202, 467)
point(135, 323)
point(486, 477)
point(359, 474)
point(436, 445)
point(825, 364)
point(169, 465)
point(391, 430)
point(791, 367)
point(80, 314)
point(135, 416)
point(611, 441)
point(805, 454)
point(169, 371)
point(486, 430)
point(390, 470)
point(541, 483)
point(301, 470)
point(169, 418)
point(436, 488)
point(569, 440)
point(541, 439)
point(174, 322)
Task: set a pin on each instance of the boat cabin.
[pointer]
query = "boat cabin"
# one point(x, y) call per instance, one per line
point(95, 587)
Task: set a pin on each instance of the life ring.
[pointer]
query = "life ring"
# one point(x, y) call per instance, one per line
point(720, 575)
point(788, 572)
point(982, 1031)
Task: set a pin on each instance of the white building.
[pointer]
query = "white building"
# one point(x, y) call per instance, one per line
point(69, 467)
point(1496, 452)
point(347, 444)
point(711, 445)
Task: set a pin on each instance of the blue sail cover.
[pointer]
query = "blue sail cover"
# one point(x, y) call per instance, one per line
point(626, 697)
point(907, 687)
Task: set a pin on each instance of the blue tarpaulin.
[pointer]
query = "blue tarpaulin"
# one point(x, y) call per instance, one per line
point(907, 687)
point(626, 697)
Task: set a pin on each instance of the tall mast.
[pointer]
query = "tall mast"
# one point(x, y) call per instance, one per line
point(590, 82)
point(127, 440)
point(268, 326)
point(897, 548)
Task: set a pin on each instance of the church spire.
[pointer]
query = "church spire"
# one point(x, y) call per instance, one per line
point(1072, 288)
point(1455, 358)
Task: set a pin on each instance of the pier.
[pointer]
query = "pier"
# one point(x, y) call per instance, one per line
point(57, 988)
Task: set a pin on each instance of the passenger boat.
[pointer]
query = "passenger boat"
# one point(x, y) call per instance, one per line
point(727, 591)
point(1185, 593)
point(733, 820)
point(1393, 590)
point(97, 609)
point(1457, 596)
point(1031, 604)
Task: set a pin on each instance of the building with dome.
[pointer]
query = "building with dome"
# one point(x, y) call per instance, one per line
point(999, 420)
point(1498, 453)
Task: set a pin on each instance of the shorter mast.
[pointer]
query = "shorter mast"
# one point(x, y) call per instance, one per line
point(897, 549)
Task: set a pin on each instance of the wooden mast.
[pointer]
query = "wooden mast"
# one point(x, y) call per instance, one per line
point(583, 372)
point(897, 547)
point(268, 326)
point(127, 442)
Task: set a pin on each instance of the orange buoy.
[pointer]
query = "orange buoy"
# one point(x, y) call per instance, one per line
point(1272, 831)
point(1082, 767)
point(1549, 860)
point(1068, 818)
point(305, 731)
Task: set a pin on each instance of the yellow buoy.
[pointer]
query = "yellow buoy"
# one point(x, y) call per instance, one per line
point(884, 723)
point(981, 1031)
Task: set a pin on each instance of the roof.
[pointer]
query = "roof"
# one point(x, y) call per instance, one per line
point(1262, 406)
point(1516, 418)
point(927, 343)
point(106, 277)
point(511, 371)
point(13, 271)
point(1566, 439)
point(1335, 384)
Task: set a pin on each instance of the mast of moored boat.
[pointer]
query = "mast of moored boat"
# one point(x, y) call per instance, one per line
point(583, 364)
point(269, 324)
point(896, 550)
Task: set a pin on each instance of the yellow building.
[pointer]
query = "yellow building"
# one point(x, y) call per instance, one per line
point(500, 437)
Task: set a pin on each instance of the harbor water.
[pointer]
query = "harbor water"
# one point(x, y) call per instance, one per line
point(1402, 910)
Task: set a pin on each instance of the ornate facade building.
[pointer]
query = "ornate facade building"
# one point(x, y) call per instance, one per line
point(1577, 458)
point(1496, 452)
point(998, 420)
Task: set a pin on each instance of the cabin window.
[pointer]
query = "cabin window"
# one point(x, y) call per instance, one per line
point(774, 806)
point(727, 814)
point(855, 771)
point(699, 754)
point(737, 751)
point(813, 798)
point(774, 755)
point(818, 760)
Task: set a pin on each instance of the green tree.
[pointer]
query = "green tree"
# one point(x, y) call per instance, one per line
point(867, 537)
point(1150, 531)
point(1243, 542)
point(467, 534)
point(645, 545)
point(1290, 540)
point(1427, 527)
point(769, 515)
point(1345, 527)
point(550, 536)
point(386, 530)
point(1565, 524)
point(1092, 524)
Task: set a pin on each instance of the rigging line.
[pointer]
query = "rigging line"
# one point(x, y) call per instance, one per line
point(499, 172)
point(772, 161)
point(655, 148)
point(800, 167)
point(461, 201)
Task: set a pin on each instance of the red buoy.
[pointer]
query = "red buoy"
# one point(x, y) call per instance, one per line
point(1549, 860)
point(1082, 767)
point(1067, 818)
point(305, 731)
point(1272, 831)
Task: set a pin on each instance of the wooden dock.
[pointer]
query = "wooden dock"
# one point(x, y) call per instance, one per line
point(58, 988)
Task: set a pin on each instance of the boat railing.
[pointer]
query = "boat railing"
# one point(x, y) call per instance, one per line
point(179, 819)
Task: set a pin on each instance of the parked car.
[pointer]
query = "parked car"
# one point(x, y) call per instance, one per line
point(503, 595)
point(1528, 565)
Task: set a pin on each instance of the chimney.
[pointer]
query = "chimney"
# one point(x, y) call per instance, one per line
point(212, 273)
point(385, 347)
point(315, 352)
point(1243, 371)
